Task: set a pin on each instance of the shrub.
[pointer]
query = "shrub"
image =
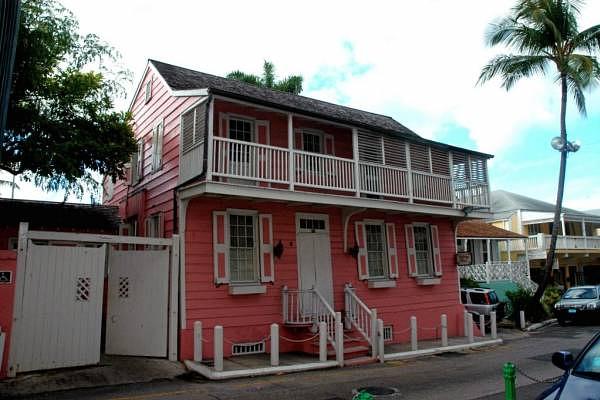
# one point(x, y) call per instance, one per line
point(551, 296)
point(522, 300)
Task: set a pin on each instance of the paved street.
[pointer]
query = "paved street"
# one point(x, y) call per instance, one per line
point(468, 375)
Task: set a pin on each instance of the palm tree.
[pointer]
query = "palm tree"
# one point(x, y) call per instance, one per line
point(290, 84)
point(542, 34)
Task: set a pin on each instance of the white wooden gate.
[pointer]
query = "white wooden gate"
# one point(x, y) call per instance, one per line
point(61, 310)
point(57, 313)
point(138, 290)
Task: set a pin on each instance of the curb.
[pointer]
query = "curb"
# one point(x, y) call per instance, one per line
point(539, 325)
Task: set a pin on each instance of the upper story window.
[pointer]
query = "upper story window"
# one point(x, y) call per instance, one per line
point(148, 92)
point(311, 142)
point(241, 129)
point(157, 146)
point(534, 229)
point(137, 163)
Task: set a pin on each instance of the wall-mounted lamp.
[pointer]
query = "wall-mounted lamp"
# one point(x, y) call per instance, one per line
point(278, 249)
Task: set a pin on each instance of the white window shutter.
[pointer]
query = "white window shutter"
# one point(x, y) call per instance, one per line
point(328, 145)
point(392, 251)
point(362, 257)
point(154, 148)
point(265, 227)
point(437, 255)
point(410, 249)
point(160, 130)
point(221, 246)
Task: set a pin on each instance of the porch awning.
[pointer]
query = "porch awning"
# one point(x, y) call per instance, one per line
point(481, 230)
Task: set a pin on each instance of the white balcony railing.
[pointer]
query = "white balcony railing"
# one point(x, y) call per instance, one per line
point(542, 242)
point(235, 159)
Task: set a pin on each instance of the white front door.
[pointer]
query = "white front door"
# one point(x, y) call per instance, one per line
point(138, 288)
point(314, 254)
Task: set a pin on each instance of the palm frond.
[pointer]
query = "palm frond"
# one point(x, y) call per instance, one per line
point(518, 36)
point(576, 90)
point(587, 40)
point(511, 68)
point(244, 77)
point(290, 84)
point(268, 78)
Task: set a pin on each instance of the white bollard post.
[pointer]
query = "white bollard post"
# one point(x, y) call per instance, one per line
point(466, 323)
point(444, 323)
point(482, 324)
point(339, 339)
point(374, 333)
point(380, 342)
point(413, 333)
point(198, 341)
point(493, 326)
point(322, 341)
point(218, 357)
point(470, 328)
point(522, 317)
point(274, 345)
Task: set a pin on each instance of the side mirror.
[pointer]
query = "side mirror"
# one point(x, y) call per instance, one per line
point(562, 360)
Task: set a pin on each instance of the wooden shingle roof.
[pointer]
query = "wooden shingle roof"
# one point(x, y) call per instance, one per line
point(479, 229)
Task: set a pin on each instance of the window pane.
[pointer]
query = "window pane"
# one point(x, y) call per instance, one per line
point(376, 251)
point(422, 250)
point(312, 142)
point(242, 250)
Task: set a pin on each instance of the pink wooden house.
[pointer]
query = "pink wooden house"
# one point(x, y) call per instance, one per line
point(291, 209)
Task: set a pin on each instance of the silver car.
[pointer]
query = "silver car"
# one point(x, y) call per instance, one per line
point(480, 301)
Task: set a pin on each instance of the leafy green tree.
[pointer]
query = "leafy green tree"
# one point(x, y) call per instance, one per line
point(543, 34)
point(290, 84)
point(62, 129)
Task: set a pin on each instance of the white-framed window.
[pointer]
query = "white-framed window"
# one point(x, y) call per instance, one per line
point(423, 250)
point(243, 248)
point(137, 163)
point(312, 141)
point(154, 225)
point(241, 129)
point(376, 251)
point(148, 93)
point(157, 146)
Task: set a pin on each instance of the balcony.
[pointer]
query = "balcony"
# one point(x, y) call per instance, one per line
point(251, 163)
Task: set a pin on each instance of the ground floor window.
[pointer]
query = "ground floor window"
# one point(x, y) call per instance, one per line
point(376, 256)
point(423, 250)
point(243, 252)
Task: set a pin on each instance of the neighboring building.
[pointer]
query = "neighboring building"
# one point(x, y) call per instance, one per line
point(282, 201)
point(483, 254)
point(53, 216)
point(578, 244)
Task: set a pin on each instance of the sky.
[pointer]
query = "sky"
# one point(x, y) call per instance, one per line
point(416, 61)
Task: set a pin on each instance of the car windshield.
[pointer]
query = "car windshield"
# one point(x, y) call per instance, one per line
point(589, 365)
point(580, 293)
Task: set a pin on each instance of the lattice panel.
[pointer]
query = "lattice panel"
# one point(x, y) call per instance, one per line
point(123, 287)
point(83, 289)
point(499, 271)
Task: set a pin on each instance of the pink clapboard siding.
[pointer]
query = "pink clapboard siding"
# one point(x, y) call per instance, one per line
point(158, 186)
point(8, 262)
point(247, 318)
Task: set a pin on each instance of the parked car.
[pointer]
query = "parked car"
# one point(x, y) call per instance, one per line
point(582, 376)
point(578, 304)
point(482, 301)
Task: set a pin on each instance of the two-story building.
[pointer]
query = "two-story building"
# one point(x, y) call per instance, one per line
point(289, 206)
point(577, 259)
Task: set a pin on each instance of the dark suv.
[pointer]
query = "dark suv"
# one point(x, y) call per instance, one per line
point(479, 301)
point(578, 304)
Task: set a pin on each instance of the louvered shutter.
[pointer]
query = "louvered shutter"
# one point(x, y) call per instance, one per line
point(267, 271)
point(437, 256)
point(369, 147)
point(160, 131)
point(154, 148)
point(410, 249)
point(363, 259)
point(392, 250)
point(220, 247)
point(328, 144)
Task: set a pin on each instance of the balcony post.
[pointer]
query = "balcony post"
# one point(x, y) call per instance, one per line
point(452, 189)
point(291, 155)
point(209, 138)
point(409, 173)
point(583, 233)
point(508, 241)
point(355, 157)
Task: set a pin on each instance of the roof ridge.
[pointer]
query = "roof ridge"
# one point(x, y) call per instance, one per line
point(275, 90)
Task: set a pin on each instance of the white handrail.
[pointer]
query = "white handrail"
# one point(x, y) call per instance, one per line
point(361, 317)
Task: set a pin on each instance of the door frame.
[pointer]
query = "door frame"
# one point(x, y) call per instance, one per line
point(325, 217)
